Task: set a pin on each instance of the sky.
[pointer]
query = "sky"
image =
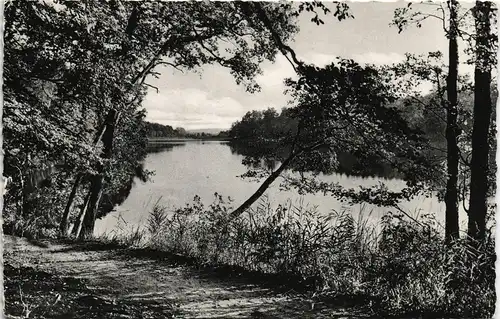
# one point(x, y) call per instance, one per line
point(212, 99)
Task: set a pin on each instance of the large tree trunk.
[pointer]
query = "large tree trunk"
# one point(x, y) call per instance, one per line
point(131, 25)
point(482, 116)
point(452, 158)
point(87, 229)
point(265, 185)
point(262, 189)
point(96, 184)
point(63, 228)
point(77, 227)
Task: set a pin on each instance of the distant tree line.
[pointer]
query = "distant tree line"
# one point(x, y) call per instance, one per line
point(160, 130)
point(156, 130)
point(259, 134)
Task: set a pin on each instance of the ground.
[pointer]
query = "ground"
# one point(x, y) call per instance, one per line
point(54, 279)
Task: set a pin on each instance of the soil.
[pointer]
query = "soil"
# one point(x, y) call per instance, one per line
point(56, 279)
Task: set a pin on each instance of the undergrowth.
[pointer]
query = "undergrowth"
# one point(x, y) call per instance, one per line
point(401, 268)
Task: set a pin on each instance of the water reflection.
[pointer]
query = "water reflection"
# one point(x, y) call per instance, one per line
point(183, 170)
point(162, 146)
point(269, 156)
point(120, 193)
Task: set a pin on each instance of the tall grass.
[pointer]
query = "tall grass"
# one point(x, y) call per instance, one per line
point(125, 235)
point(402, 268)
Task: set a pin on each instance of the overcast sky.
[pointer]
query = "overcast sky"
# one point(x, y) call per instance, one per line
point(213, 100)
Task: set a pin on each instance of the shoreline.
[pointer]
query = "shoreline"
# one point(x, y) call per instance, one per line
point(159, 140)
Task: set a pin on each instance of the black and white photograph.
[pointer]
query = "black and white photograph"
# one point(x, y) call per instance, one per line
point(248, 159)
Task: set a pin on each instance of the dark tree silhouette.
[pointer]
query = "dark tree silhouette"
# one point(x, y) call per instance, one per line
point(482, 116)
point(452, 131)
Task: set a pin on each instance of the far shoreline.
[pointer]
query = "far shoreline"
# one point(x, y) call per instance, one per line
point(155, 140)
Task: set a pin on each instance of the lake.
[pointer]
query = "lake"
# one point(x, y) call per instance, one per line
point(188, 168)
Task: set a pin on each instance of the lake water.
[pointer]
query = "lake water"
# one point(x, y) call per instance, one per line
point(202, 168)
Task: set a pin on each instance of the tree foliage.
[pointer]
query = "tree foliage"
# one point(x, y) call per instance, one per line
point(343, 108)
point(402, 135)
point(68, 64)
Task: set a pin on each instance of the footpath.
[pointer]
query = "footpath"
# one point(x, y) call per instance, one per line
point(54, 279)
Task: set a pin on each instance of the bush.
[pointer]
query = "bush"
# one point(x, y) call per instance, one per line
point(405, 268)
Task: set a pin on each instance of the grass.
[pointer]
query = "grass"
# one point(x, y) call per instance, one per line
point(402, 269)
point(397, 268)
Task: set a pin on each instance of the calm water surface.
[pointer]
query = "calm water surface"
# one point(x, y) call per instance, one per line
point(205, 167)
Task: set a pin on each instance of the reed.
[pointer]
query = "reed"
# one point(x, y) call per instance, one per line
point(399, 266)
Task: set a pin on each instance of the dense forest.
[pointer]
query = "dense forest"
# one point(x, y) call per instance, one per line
point(159, 130)
point(75, 138)
point(155, 130)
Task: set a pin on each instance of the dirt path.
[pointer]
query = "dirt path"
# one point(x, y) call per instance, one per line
point(176, 289)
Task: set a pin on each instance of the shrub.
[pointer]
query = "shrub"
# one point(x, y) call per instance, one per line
point(404, 268)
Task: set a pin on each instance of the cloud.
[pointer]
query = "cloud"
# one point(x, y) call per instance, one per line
point(215, 101)
point(378, 58)
point(275, 73)
point(191, 121)
point(192, 108)
point(319, 59)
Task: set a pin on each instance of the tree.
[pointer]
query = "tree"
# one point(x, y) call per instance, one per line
point(354, 80)
point(190, 36)
point(344, 107)
point(403, 17)
point(196, 41)
point(76, 63)
point(452, 132)
point(61, 76)
point(180, 131)
point(45, 125)
point(97, 180)
point(158, 130)
point(478, 207)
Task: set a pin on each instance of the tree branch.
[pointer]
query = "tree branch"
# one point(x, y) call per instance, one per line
point(152, 86)
point(285, 49)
